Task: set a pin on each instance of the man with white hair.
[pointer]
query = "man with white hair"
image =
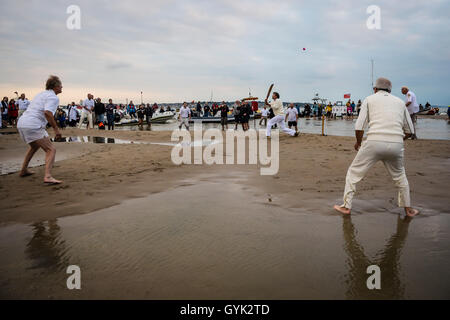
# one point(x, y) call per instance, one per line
point(88, 107)
point(389, 124)
point(32, 128)
point(23, 103)
point(412, 106)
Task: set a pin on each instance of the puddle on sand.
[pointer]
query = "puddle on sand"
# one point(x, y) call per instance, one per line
point(220, 240)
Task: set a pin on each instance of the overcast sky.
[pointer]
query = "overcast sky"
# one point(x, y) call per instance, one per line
point(183, 50)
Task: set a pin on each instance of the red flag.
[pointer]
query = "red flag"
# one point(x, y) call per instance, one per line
point(347, 96)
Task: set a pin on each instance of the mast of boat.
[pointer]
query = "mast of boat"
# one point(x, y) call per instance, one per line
point(371, 60)
point(210, 101)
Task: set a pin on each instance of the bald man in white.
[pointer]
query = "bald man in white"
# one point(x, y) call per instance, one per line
point(389, 124)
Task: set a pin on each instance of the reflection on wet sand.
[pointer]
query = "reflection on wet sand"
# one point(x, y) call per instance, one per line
point(388, 259)
point(46, 249)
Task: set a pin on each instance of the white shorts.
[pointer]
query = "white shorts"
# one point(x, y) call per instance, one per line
point(30, 134)
point(184, 121)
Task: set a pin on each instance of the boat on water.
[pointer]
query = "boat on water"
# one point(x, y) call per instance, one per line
point(428, 111)
point(158, 117)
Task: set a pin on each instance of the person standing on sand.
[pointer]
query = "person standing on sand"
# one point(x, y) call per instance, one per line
point(224, 115)
point(237, 114)
point(88, 107)
point(184, 116)
point(148, 115)
point(99, 108)
point(110, 114)
point(358, 107)
point(292, 117)
point(32, 126)
point(4, 110)
point(13, 113)
point(329, 110)
point(244, 115)
point(264, 114)
point(389, 124)
point(141, 115)
point(131, 109)
point(23, 103)
point(413, 108)
point(277, 107)
point(73, 114)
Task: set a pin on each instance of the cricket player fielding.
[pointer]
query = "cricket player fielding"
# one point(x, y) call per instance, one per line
point(389, 125)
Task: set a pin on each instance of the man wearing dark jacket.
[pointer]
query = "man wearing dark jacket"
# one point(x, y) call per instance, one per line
point(148, 115)
point(99, 109)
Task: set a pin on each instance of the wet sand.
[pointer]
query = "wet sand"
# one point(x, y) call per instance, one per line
point(141, 227)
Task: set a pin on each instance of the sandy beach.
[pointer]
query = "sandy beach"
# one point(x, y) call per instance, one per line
point(220, 231)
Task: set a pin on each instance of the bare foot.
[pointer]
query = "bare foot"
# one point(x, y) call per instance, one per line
point(25, 173)
point(51, 181)
point(342, 210)
point(410, 212)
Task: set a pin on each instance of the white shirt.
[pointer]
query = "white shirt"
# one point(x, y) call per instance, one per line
point(73, 113)
point(386, 117)
point(185, 112)
point(23, 104)
point(34, 116)
point(413, 107)
point(89, 104)
point(264, 112)
point(277, 107)
point(292, 114)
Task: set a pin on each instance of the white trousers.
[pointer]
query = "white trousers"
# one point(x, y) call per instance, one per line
point(280, 121)
point(84, 115)
point(391, 153)
point(185, 122)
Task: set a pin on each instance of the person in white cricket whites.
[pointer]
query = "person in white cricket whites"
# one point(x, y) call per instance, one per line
point(88, 107)
point(23, 103)
point(32, 124)
point(277, 107)
point(184, 116)
point(412, 106)
point(389, 124)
